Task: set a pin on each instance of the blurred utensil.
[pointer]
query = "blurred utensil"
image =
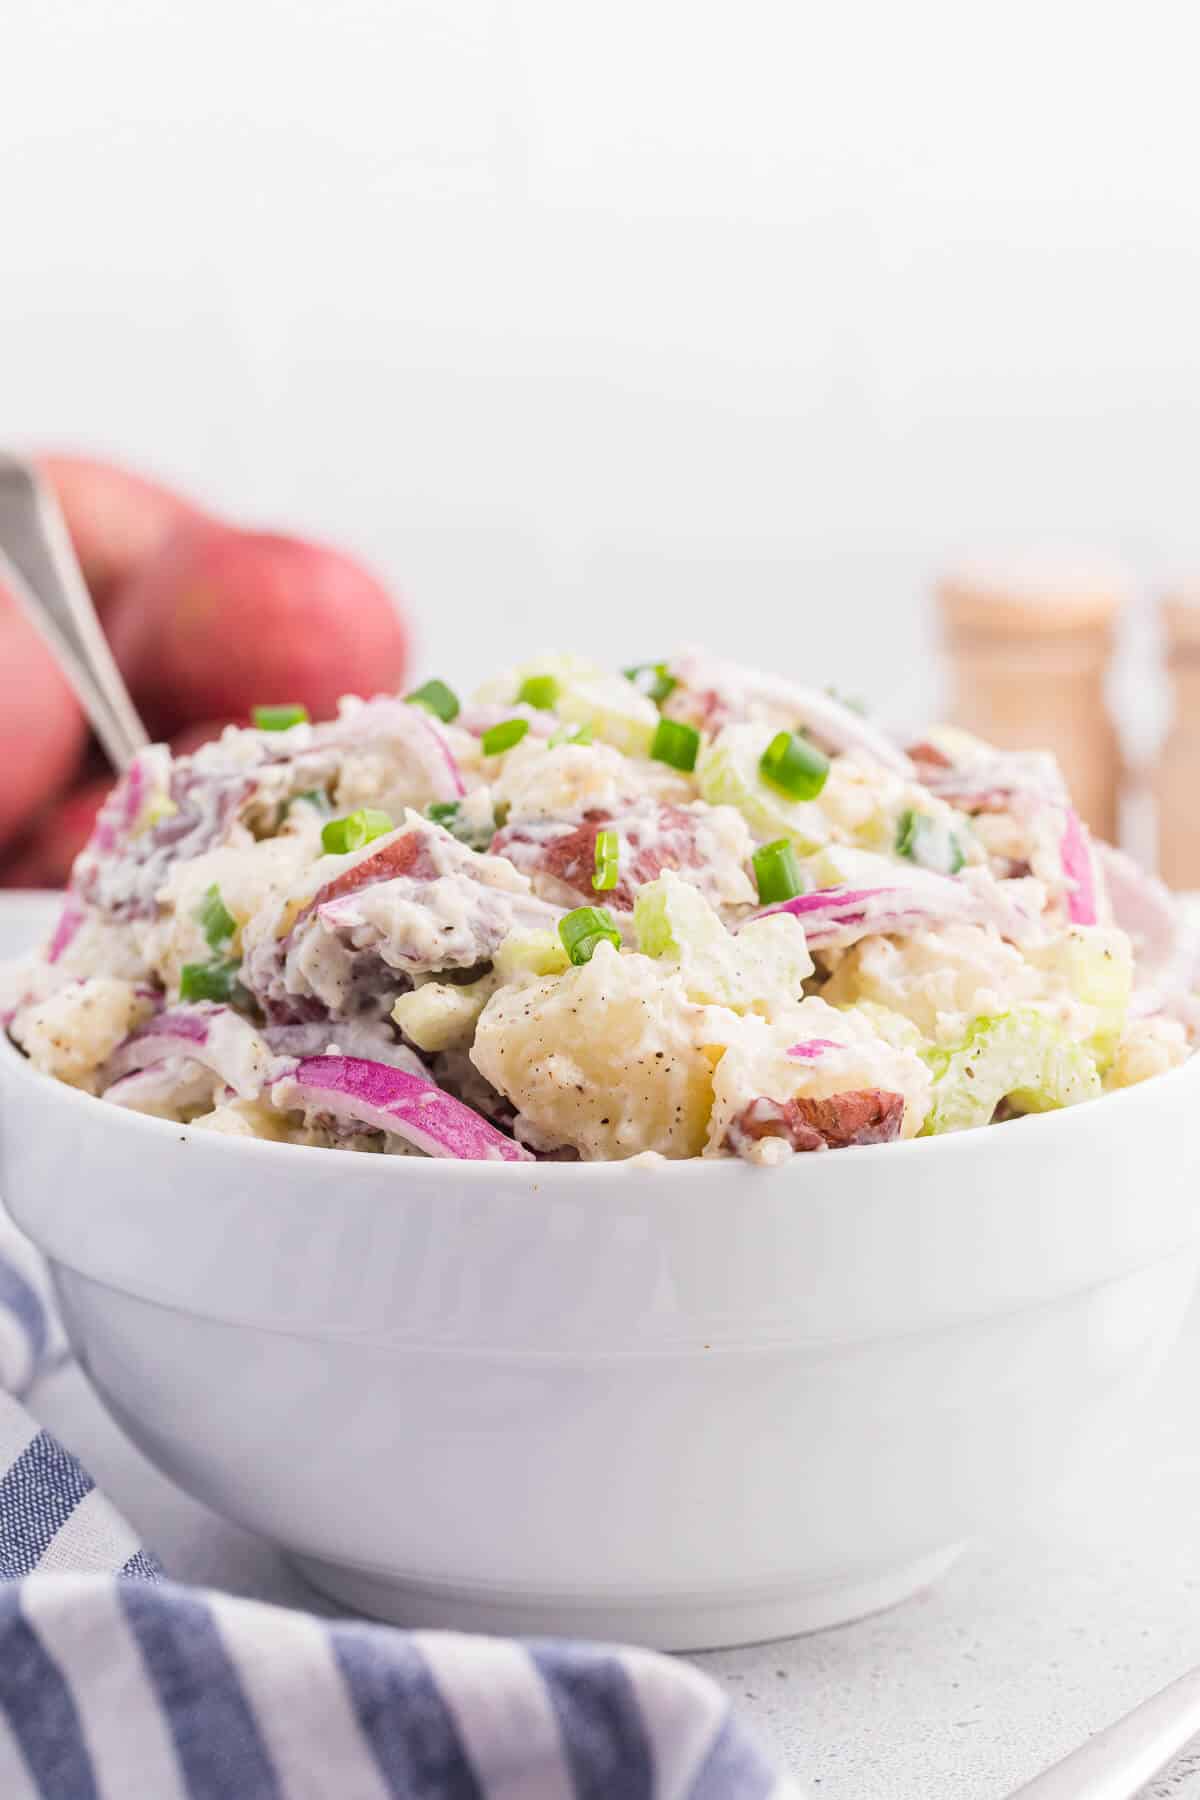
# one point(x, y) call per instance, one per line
point(1117, 1763)
point(39, 565)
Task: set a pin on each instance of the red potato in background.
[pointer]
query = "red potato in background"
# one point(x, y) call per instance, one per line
point(192, 736)
point(42, 731)
point(117, 519)
point(220, 620)
point(44, 858)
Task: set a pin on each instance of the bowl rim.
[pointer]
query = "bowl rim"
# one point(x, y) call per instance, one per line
point(15, 1067)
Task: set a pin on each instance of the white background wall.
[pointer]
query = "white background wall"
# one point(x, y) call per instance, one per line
point(626, 322)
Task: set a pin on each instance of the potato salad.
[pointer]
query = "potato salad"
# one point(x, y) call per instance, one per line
point(689, 910)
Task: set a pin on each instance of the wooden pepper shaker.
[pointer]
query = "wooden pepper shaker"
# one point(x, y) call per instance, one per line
point(1177, 778)
point(1029, 650)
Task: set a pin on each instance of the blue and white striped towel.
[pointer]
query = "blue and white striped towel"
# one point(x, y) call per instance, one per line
point(115, 1684)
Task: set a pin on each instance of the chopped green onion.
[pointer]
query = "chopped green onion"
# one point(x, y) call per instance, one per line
point(541, 691)
point(503, 736)
point(442, 812)
point(676, 743)
point(355, 830)
point(777, 873)
point(279, 718)
point(929, 842)
point(436, 698)
point(793, 765)
point(584, 928)
point(570, 734)
point(608, 861)
point(214, 918)
point(907, 832)
point(652, 679)
point(208, 981)
point(317, 798)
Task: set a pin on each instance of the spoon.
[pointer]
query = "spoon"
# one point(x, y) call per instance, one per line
point(1117, 1763)
point(39, 566)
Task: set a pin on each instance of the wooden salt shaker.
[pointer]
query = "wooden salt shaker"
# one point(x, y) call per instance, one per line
point(1177, 778)
point(1029, 649)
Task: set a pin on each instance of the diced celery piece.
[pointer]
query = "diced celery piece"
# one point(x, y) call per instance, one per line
point(840, 865)
point(1020, 1056)
point(1096, 963)
point(668, 912)
point(613, 710)
point(530, 953)
point(888, 1024)
point(587, 695)
point(441, 1016)
point(765, 965)
point(727, 774)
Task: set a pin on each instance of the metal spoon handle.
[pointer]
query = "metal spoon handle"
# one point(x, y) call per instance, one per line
point(1117, 1763)
point(38, 564)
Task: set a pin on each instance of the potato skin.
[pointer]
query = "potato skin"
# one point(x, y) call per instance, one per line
point(220, 620)
point(41, 726)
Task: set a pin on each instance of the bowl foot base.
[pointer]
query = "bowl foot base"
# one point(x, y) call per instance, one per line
point(705, 1622)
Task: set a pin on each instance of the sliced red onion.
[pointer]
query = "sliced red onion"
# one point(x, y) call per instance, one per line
point(122, 868)
point(133, 794)
point(1014, 905)
point(1077, 867)
point(213, 1035)
point(370, 1038)
point(120, 812)
point(67, 929)
point(812, 1048)
point(1144, 907)
point(163, 1087)
point(991, 782)
point(193, 1027)
point(836, 917)
point(382, 1098)
point(118, 815)
point(833, 725)
point(412, 728)
point(439, 757)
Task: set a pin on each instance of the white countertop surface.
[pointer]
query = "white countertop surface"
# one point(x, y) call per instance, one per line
point(961, 1694)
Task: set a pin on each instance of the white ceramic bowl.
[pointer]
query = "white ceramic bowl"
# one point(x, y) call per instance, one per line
point(688, 1405)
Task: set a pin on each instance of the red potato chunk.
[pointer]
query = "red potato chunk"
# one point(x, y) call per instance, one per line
point(665, 837)
point(867, 1116)
point(408, 855)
